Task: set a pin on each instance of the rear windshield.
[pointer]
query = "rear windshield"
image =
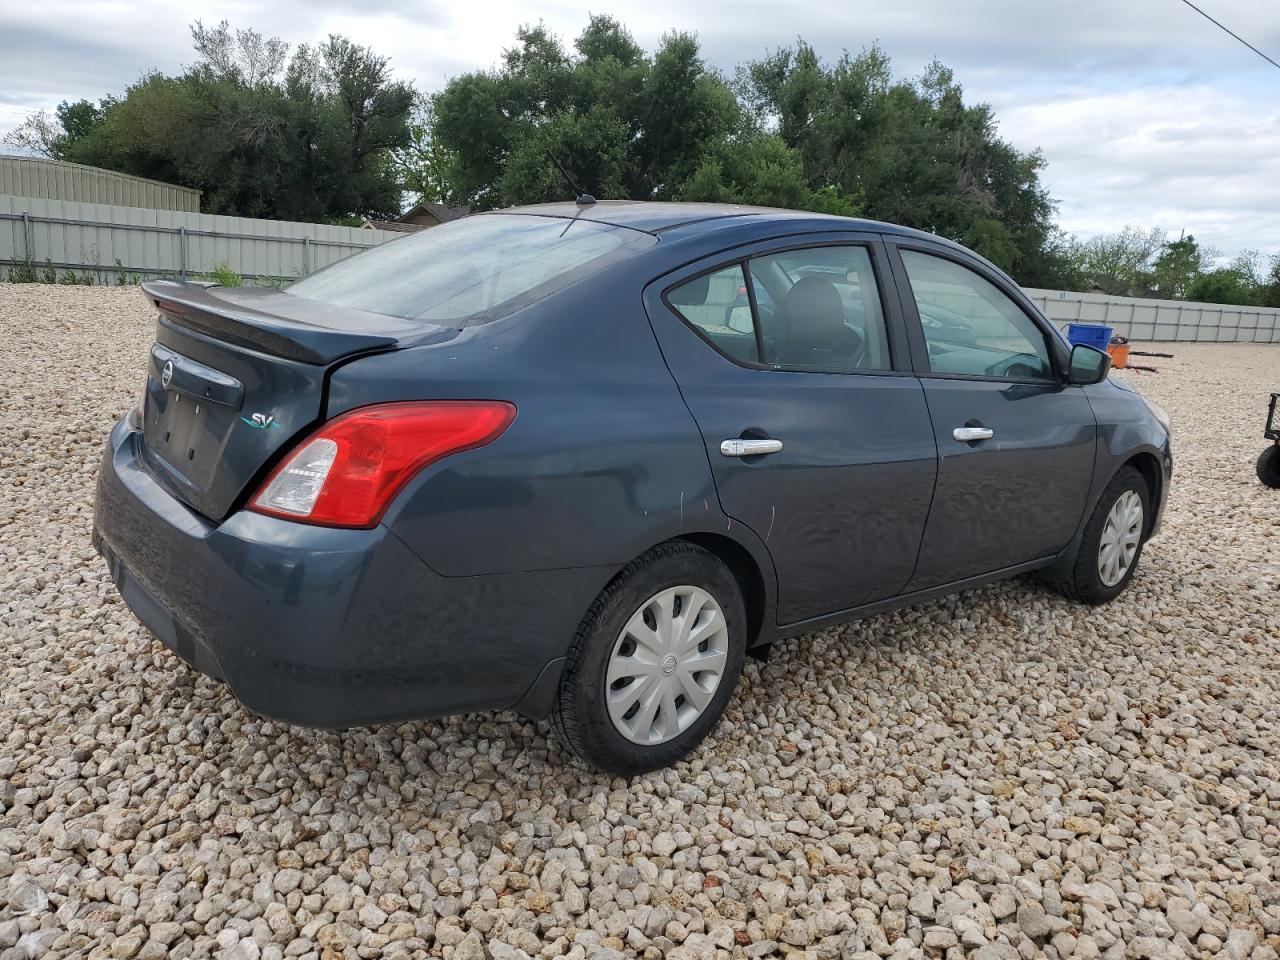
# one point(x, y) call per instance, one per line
point(471, 269)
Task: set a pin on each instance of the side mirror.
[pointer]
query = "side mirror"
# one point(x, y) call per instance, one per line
point(1087, 365)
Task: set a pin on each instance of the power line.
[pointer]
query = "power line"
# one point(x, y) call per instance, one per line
point(1224, 27)
point(1242, 233)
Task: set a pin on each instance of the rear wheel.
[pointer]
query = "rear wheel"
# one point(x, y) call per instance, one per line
point(1269, 466)
point(654, 662)
point(1112, 541)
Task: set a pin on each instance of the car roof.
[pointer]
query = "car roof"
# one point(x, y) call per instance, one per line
point(658, 217)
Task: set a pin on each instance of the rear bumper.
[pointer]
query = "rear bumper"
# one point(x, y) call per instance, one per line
point(324, 627)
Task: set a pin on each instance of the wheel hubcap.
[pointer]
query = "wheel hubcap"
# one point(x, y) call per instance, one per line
point(1121, 537)
point(666, 665)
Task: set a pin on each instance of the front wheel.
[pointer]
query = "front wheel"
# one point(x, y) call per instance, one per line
point(654, 662)
point(1269, 466)
point(1112, 541)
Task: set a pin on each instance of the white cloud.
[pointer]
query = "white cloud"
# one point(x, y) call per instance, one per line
point(1185, 158)
point(1145, 112)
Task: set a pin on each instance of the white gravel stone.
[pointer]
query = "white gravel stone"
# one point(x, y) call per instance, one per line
point(1002, 774)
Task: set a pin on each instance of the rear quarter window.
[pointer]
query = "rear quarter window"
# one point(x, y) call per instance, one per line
point(472, 269)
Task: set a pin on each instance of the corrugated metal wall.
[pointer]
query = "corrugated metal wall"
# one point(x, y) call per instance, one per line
point(54, 180)
point(87, 237)
point(1143, 319)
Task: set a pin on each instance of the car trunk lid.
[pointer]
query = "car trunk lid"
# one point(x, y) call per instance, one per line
point(236, 374)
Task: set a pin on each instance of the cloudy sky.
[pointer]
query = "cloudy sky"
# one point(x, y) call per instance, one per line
point(1146, 112)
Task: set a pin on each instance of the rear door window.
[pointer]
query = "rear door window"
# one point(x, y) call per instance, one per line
point(476, 268)
point(716, 305)
point(813, 309)
point(819, 309)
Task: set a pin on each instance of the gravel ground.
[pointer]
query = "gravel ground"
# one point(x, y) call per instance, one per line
point(999, 774)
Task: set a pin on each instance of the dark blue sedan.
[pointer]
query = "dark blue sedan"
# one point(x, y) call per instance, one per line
point(579, 459)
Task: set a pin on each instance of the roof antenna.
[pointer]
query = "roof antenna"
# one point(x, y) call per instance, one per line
point(581, 198)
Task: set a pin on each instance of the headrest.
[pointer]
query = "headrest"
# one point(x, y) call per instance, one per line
point(814, 311)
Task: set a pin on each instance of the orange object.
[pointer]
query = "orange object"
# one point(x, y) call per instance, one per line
point(1119, 355)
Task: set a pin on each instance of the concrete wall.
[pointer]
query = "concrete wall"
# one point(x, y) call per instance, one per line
point(90, 237)
point(44, 179)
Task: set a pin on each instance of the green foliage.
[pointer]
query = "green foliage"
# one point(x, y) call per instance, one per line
point(1137, 262)
point(1176, 268)
point(1269, 290)
point(1224, 285)
point(26, 272)
point(609, 120)
point(1240, 283)
point(307, 137)
point(909, 151)
point(23, 272)
point(1121, 263)
point(422, 163)
point(224, 276)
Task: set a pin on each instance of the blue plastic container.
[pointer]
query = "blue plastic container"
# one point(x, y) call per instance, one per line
point(1090, 334)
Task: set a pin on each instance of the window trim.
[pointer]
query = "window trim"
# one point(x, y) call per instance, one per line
point(915, 329)
point(899, 353)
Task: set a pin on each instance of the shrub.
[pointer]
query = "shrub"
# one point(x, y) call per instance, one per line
point(224, 276)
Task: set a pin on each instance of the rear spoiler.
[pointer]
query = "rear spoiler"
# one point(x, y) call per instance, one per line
point(271, 321)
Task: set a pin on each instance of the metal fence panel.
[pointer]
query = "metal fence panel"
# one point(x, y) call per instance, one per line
point(115, 242)
point(56, 179)
point(109, 242)
point(1141, 318)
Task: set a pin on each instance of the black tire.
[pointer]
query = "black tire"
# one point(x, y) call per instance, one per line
point(580, 716)
point(1084, 583)
point(1269, 466)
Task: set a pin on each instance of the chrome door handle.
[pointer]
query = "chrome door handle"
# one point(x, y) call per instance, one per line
point(749, 448)
point(970, 434)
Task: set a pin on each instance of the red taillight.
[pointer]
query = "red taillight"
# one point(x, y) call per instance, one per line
point(346, 473)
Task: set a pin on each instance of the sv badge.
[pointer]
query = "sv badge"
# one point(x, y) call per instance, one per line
point(260, 421)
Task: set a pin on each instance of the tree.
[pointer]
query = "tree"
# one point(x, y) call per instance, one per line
point(423, 163)
point(307, 137)
point(51, 134)
point(38, 133)
point(1120, 263)
point(1224, 285)
point(1177, 267)
point(1269, 292)
point(910, 151)
point(243, 56)
point(609, 120)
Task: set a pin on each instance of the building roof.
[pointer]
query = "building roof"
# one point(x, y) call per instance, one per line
point(439, 211)
point(395, 226)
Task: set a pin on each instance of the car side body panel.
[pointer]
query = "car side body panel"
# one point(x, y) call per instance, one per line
point(1127, 430)
point(602, 461)
point(1015, 498)
point(856, 471)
